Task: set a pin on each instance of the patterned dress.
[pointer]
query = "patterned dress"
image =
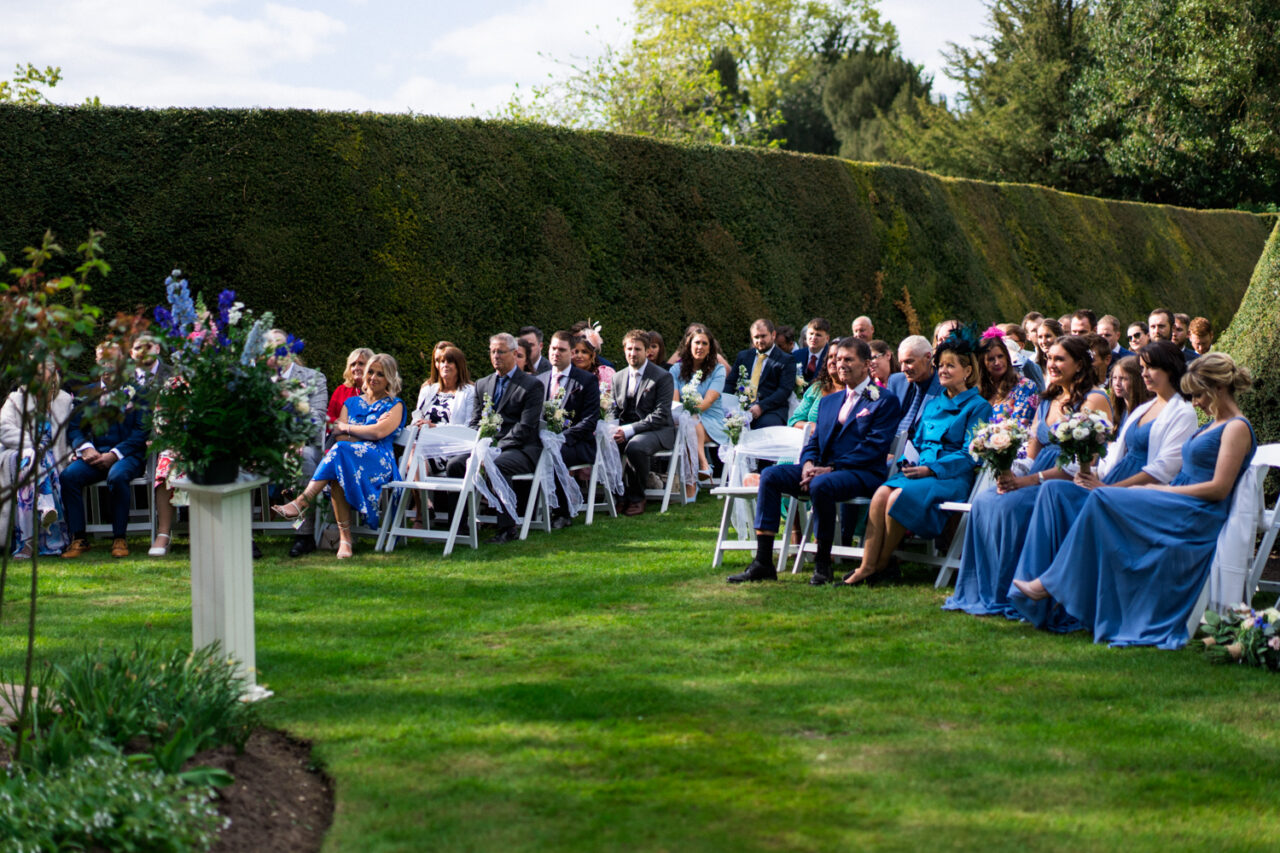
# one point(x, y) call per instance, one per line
point(1020, 404)
point(44, 495)
point(361, 467)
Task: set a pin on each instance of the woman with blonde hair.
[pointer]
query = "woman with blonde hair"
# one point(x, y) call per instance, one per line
point(1134, 562)
point(362, 457)
point(351, 379)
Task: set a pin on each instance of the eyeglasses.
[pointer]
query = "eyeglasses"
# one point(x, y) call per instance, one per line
point(1135, 335)
point(879, 356)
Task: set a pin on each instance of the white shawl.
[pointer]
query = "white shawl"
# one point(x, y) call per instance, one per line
point(1171, 429)
point(459, 411)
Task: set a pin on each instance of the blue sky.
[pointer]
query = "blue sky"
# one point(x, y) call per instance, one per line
point(427, 57)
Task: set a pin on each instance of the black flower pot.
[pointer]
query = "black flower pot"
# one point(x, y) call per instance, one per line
point(220, 471)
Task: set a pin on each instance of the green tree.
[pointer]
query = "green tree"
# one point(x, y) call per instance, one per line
point(1181, 102)
point(28, 84)
point(862, 90)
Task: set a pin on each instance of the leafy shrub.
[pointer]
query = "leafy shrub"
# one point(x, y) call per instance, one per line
point(104, 801)
point(1253, 339)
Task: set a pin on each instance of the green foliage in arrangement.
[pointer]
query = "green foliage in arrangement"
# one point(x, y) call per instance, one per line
point(395, 231)
point(1253, 339)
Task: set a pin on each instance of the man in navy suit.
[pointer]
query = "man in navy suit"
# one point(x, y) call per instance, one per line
point(517, 397)
point(769, 371)
point(809, 357)
point(581, 402)
point(845, 458)
point(115, 452)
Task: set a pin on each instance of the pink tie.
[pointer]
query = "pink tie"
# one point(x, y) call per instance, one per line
point(850, 398)
point(555, 385)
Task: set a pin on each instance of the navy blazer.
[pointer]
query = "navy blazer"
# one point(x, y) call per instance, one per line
point(863, 441)
point(581, 401)
point(800, 355)
point(128, 435)
point(520, 407)
point(777, 380)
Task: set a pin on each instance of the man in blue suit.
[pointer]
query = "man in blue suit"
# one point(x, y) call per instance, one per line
point(809, 357)
point(770, 371)
point(845, 458)
point(917, 384)
point(116, 452)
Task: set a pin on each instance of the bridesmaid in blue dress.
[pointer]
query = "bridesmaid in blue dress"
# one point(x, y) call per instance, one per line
point(998, 518)
point(1135, 561)
point(1147, 451)
point(700, 352)
point(909, 500)
point(363, 456)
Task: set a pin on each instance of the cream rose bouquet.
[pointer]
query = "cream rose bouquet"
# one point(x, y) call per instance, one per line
point(996, 444)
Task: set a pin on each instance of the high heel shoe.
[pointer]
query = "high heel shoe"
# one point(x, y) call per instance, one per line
point(294, 508)
point(344, 540)
point(158, 550)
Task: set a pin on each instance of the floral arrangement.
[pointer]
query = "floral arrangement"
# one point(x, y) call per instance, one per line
point(801, 386)
point(224, 402)
point(997, 444)
point(490, 421)
point(746, 392)
point(1243, 635)
point(690, 398)
point(733, 426)
point(606, 401)
point(554, 414)
point(1081, 436)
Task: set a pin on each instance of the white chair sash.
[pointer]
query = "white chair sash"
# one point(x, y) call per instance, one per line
point(737, 460)
point(687, 444)
point(1233, 558)
point(609, 456)
point(440, 444)
point(558, 472)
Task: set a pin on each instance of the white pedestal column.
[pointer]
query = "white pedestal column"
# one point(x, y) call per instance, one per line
point(222, 572)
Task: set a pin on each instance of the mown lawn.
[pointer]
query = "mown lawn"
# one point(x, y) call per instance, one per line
point(602, 688)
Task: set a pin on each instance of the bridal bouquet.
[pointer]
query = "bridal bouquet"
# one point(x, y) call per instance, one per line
point(690, 398)
point(1081, 436)
point(996, 444)
point(490, 421)
point(1243, 635)
point(553, 413)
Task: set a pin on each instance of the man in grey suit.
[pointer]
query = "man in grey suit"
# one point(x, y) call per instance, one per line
point(517, 397)
point(642, 395)
point(287, 367)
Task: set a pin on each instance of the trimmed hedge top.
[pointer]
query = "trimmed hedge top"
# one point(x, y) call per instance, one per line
point(396, 231)
point(1253, 339)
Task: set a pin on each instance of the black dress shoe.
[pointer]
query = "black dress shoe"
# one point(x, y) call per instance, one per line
point(757, 571)
point(257, 552)
point(505, 535)
point(822, 575)
point(302, 545)
point(561, 522)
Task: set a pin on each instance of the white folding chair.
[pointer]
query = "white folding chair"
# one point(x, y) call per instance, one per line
point(597, 480)
point(790, 438)
point(1265, 458)
point(675, 479)
point(537, 504)
point(951, 562)
point(393, 518)
point(142, 519)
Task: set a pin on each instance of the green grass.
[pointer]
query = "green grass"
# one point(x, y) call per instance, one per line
point(603, 688)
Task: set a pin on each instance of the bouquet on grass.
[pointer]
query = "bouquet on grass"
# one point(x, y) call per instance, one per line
point(225, 406)
point(490, 421)
point(690, 398)
point(1243, 635)
point(554, 414)
point(996, 444)
point(1081, 436)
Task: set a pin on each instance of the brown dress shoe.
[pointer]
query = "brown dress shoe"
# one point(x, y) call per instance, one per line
point(119, 548)
point(76, 548)
point(636, 508)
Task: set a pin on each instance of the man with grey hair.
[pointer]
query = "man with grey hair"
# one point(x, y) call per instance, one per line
point(863, 330)
point(917, 384)
point(517, 398)
point(286, 365)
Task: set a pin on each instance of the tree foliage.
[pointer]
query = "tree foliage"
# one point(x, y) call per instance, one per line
point(863, 90)
point(28, 84)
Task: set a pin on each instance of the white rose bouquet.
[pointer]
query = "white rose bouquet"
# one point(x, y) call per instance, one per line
point(690, 398)
point(996, 444)
point(554, 414)
point(1081, 436)
point(490, 421)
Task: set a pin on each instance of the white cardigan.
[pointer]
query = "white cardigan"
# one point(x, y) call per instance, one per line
point(11, 424)
point(459, 410)
point(1171, 429)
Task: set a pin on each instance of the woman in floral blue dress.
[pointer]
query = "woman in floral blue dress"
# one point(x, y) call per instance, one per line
point(44, 445)
point(363, 455)
point(1011, 395)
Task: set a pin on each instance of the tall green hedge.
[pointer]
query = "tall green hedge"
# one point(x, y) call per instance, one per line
point(1253, 339)
point(396, 231)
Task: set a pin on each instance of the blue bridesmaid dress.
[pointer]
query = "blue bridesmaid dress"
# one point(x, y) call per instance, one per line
point(361, 467)
point(1133, 564)
point(994, 536)
point(942, 438)
point(1057, 505)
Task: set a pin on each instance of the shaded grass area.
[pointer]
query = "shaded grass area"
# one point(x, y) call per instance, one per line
point(603, 688)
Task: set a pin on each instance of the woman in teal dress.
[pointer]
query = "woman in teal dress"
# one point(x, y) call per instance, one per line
point(699, 352)
point(1148, 450)
point(910, 500)
point(998, 519)
point(1135, 561)
point(363, 455)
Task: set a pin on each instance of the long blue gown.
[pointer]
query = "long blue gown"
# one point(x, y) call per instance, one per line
point(942, 438)
point(994, 536)
point(1057, 505)
point(361, 467)
point(1133, 564)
